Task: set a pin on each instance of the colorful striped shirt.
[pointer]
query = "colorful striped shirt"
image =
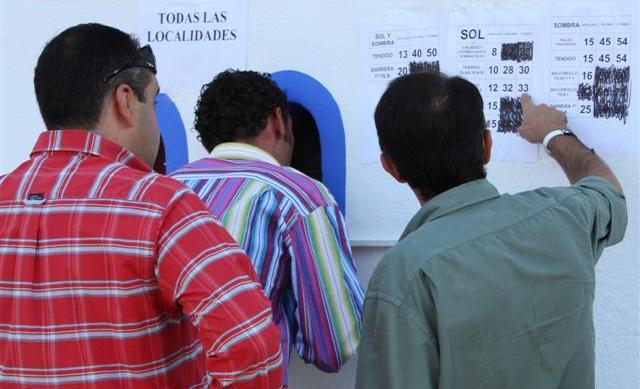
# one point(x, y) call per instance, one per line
point(294, 233)
point(113, 276)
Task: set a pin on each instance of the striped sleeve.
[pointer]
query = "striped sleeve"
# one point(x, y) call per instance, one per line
point(328, 296)
point(202, 271)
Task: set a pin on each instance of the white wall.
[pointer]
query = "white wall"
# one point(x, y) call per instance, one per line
point(322, 39)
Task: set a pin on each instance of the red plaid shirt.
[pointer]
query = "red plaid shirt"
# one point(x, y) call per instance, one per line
point(113, 276)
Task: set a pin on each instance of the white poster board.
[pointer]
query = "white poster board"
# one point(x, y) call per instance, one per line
point(582, 59)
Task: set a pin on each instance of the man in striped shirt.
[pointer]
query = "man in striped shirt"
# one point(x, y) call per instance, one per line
point(288, 223)
point(113, 276)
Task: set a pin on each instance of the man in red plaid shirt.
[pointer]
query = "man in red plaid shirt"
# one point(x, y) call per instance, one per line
point(111, 275)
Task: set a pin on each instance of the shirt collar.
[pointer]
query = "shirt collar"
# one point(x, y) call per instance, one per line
point(454, 199)
point(235, 150)
point(86, 142)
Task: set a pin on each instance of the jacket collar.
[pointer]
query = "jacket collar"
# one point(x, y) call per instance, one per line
point(454, 199)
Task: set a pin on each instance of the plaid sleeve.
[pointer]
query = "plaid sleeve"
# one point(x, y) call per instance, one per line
point(202, 271)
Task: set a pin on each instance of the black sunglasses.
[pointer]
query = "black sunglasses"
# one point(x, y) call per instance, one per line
point(147, 61)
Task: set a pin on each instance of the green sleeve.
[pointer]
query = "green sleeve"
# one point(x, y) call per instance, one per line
point(397, 349)
point(606, 211)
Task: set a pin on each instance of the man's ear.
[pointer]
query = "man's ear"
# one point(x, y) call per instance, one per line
point(124, 98)
point(279, 125)
point(487, 144)
point(390, 167)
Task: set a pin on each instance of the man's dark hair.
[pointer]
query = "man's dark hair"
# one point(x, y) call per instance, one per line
point(431, 127)
point(69, 76)
point(236, 105)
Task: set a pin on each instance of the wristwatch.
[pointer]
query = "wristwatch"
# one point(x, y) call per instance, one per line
point(553, 134)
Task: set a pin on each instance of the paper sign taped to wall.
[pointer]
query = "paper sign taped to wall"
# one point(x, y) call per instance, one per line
point(592, 70)
point(499, 52)
point(193, 40)
point(394, 47)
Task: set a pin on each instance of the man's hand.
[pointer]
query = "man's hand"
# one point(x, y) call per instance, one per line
point(539, 120)
point(576, 159)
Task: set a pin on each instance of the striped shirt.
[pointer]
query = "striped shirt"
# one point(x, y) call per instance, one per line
point(113, 276)
point(293, 231)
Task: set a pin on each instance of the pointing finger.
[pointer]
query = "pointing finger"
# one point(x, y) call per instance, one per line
point(525, 98)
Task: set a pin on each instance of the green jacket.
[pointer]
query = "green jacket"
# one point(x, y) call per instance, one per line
point(491, 291)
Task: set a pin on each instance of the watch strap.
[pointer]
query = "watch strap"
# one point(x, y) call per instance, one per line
point(553, 134)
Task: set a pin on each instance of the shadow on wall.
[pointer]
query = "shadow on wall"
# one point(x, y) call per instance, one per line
point(306, 152)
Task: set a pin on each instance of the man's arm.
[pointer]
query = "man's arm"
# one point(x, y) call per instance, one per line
point(328, 296)
point(203, 273)
point(576, 160)
point(602, 207)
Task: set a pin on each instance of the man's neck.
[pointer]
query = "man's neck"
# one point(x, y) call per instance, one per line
point(421, 199)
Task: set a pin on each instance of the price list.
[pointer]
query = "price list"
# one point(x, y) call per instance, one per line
point(590, 66)
point(498, 59)
point(396, 52)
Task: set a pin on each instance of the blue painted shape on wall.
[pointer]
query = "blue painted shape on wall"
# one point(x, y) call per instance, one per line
point(315, 98)
point(173, 133)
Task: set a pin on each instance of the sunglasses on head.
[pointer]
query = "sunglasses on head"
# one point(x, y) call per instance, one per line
point(147, 61)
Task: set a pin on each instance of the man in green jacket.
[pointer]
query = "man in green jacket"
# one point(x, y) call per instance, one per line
point(484, 290)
